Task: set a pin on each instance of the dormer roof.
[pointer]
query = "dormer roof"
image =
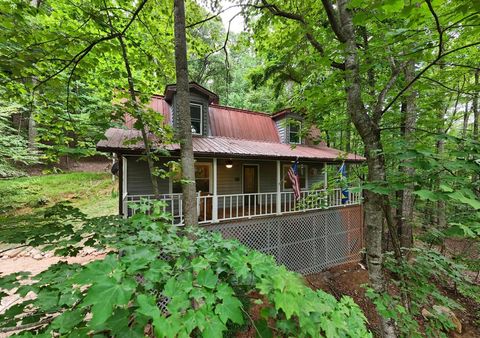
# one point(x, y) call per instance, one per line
point(171, 89)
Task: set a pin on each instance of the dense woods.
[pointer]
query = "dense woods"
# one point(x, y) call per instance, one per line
point(395, 81)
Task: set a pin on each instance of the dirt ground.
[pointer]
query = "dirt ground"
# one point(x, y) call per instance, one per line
point(34, 261)
point(348, 280)
point(89, 164)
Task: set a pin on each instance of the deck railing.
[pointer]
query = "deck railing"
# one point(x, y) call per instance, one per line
point(237, 206)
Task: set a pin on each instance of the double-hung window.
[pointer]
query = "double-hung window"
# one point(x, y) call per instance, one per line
point(197, 118)
point(294, 130)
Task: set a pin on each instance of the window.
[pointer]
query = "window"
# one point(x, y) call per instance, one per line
point(196, 116)
point(202, 179)
point(294, 128)
point(302, 173)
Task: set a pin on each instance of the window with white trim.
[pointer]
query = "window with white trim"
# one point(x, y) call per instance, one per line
point(196, 115)
point(294, 130)
point(302, 173)
point(202, 179)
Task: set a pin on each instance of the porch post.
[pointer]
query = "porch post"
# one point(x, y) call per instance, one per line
point(279, 185)
point(124, 183)
point(215, 197)
point(325, 178)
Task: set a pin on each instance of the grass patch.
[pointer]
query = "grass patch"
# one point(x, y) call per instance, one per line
point(24, 200)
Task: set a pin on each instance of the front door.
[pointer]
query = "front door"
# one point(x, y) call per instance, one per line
point(250, 182)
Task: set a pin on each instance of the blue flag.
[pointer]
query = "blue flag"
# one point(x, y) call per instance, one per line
point(343, 172)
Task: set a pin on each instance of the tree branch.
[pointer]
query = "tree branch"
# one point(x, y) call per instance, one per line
point(208, 18)
point(377, 111)
point(332, 19)
point(79, 56)
point(419, 75)
point(447, 87)
point(439, 27)
point(276, 11)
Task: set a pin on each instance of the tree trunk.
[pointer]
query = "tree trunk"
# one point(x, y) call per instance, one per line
point(370, 134)
point(466, 116)
point(441, 217)
point(476, 117)
point(32, 129)
point(348, 136)
point(184, 119)
point(138, 114)
point(405, 221)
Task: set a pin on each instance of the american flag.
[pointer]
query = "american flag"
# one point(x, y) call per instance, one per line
point(343, 178)
point(293, 176)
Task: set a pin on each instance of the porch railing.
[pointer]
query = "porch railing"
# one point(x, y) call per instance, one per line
point(237, 206)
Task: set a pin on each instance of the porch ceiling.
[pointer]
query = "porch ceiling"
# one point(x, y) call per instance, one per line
point(122, 140)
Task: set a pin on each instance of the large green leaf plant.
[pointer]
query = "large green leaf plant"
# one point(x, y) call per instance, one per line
point(156, 280)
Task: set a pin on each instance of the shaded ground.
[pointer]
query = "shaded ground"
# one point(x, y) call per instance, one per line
point(348, 280)
point(85, 164)
point(24, 200)
point(34, 261)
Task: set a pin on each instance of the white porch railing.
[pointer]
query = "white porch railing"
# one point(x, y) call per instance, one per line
point(237, 206)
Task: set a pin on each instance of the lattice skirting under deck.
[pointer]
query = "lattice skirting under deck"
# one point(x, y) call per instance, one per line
point(306, 242)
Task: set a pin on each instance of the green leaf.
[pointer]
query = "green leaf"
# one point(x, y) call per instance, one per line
point(105, 296)
point(445, 188)
point(230, 309)
point(287, 302)
point(264, 330)
point(214, 328)
point(68, 320)
point(207, 278)
point(459, 196)
point(427, 195)
point(147, 306)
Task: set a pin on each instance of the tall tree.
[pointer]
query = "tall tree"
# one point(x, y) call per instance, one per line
point(184, 121)
point(406, 208)
point(475, 108)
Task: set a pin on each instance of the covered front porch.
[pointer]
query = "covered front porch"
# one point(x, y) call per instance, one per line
point(233, 189)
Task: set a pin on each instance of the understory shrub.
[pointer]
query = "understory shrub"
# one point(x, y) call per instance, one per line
point(424, 281)
point(167, 281)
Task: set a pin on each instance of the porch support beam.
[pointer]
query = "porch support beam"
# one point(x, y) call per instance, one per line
point(279, 186)
point(124, 183)
point(325, 178)
point(215, 195)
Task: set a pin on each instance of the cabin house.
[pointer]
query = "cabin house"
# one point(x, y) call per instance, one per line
point(242, 160)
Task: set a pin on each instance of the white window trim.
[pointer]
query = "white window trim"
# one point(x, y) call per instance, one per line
point(210, 177)
point(201, 117)
point(299, 131)
point(305, 168)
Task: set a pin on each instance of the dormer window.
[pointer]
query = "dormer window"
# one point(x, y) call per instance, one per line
point(197, 118)
point(294, 129)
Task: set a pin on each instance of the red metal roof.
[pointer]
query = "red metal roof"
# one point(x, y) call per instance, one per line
point(158, 104)
point(227, 147)
point(241, 124)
